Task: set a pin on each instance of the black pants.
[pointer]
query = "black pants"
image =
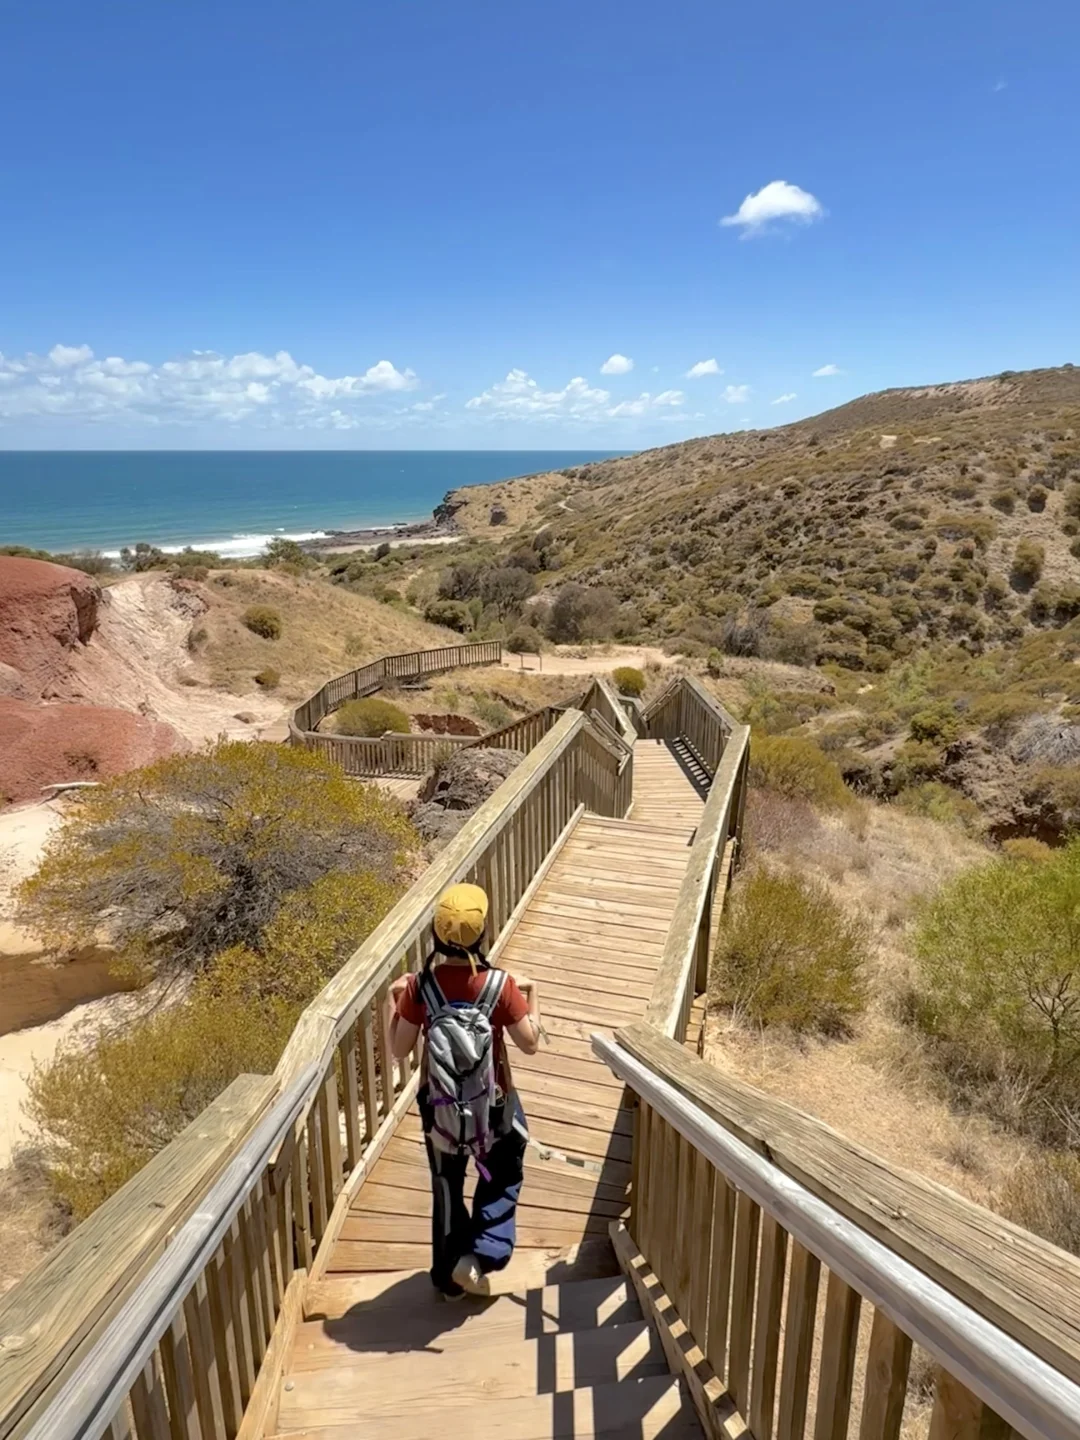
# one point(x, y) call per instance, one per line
point(490, 1231)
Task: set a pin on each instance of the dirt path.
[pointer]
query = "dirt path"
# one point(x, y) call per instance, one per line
point(597, 662)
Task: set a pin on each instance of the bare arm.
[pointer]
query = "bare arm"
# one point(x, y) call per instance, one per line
point(403, 1035)
point(526, 1033)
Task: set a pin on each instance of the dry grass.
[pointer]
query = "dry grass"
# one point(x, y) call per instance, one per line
point(326, 630)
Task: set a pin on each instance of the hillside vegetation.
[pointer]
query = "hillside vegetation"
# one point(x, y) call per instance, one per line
point(948, 512)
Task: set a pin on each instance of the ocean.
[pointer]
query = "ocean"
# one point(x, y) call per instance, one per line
point(234, 501)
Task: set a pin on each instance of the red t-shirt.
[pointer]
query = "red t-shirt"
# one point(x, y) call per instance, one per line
point(458, 983)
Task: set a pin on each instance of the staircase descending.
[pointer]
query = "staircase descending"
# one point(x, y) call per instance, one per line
point(563, 1350)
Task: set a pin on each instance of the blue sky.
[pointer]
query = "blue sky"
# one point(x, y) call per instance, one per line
point(430, 224)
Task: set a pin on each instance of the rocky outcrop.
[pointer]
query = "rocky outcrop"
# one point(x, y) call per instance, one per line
point(458, 787)
point(1027, 783)
point(50, 744)
point(47, 615)
point(447, 725)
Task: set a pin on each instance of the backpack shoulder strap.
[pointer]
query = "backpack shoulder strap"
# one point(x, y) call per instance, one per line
point(492, 988)
point(431, 993)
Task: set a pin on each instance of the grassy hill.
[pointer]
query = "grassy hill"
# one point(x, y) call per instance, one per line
point(947, 512)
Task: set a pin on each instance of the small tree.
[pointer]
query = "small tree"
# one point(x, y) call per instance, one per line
point(1027, 565)
point(582, 612)
point(525, 640)
point(453, 614)
point(285, 552)
point(197, 853)
point(999, 953)
point(371, 717)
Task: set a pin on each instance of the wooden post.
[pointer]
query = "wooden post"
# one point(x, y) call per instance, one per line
point(798, 1343)
point(886, 1380)
point(744, 1276)
point(837, 1366)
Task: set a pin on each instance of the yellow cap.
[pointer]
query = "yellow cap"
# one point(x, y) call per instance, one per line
point(460, 915)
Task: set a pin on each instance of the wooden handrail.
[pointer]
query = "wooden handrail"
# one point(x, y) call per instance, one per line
point(684, 1101)
point(96, 1388)
point(684, 963)
point(47, 1316)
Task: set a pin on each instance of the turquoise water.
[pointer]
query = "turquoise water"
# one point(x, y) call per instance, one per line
point(235, 501)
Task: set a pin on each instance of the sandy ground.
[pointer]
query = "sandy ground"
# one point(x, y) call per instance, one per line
point(574, 660)
point(138, 660)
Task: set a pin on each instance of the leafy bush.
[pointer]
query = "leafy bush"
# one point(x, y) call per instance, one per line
point(268, 678)
point(1004, 500)
point(263, 620)
point(453, 614)
point(1036, 498)
point(714, 663)
point(285, 552)
point(999, 952)
point(371, 717)
point(628, 680)
point(525, 640)
point(797, 768)
point(941, 803)
point(198, 852)
point(1027, 849)
point(1027, 565)
point(790, 955)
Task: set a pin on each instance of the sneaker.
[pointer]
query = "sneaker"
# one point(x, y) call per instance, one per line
point(470, 1277)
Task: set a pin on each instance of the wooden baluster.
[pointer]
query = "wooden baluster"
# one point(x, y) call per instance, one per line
point(798, 1343)
point(203, 1360)
point(960, 1415)
point(770, 1299)
point(386, 1059)
point(664, 1201)
point(330, 1134)
point(837, 1366)
point(179, 1382)
point(233, 1274)
point(743, 1284)
point(887, 1367)
point(370, 1086)
point(351, 1093)
point(224, 1340)
point(681, 1260)
point(320, 1198)
point(702, 1192)
point(148, 1405)
point(122, 1425)
point(301, 1204)
point(639, 1172)
point(261, 1230)
point(260, 1320)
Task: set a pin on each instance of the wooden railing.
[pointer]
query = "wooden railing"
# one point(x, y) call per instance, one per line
point(357, 684)
point(686, 711)
point(211, 1337)
point(739, 1201)
point(387, 754)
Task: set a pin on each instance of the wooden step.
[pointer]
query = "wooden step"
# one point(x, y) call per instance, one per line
point(654, 1408)
point(424, 1320)
point(528, 1270)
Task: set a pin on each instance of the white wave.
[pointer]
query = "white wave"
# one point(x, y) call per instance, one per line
point(236, 547)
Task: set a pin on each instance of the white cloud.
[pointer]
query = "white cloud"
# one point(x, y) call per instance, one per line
point(200, 387)
point(776, 201)
point(1000, 85)
point(520, 397)
point(736, 394)
point(784, 399)
point(64, 356)
point(824, 371)
point(617, 365)
point(703, 367)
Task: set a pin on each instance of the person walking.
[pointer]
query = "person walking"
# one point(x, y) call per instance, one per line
point(468, 1105)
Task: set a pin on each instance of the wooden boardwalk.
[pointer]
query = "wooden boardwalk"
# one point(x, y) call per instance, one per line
point(592, 937)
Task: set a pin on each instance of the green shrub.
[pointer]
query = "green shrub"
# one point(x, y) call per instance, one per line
point(941, 803)
point(1027, 565)
point(628, 680)
point(797, 768)
point(999, 952)
point(491, 711)
point(790, 955)
point(453, 614)
point(714, 663)
point(268, 678)
point(263, 620)
point(525, 640)
point(1004, 500)
point(937, 722)
point(196, 853)
point(371, 717)
point(1036, 498)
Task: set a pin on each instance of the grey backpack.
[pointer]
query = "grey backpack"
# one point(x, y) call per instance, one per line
point(460, 1066)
